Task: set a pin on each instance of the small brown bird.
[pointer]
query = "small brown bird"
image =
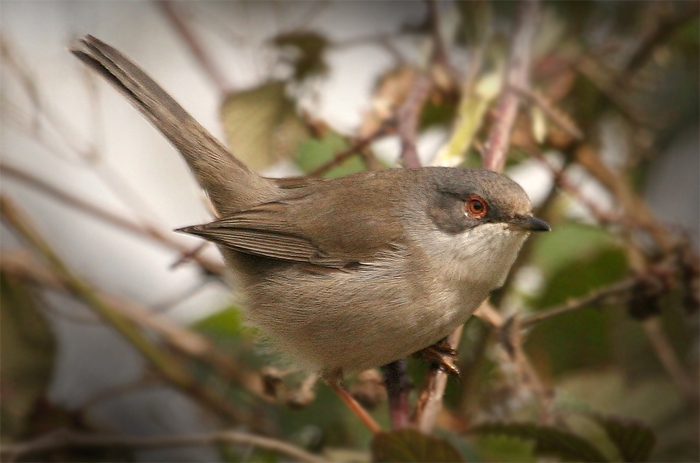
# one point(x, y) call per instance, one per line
point(350, 273)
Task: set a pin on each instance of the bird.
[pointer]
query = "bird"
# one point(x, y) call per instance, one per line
point(350, 273)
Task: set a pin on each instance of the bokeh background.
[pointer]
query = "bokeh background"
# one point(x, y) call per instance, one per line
point(605, 142)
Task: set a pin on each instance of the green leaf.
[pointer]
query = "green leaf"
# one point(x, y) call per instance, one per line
point(409, 445)
point(261, 125)
point(634, 439)
point(227, 323)
point(548, 440)
point(315, 152)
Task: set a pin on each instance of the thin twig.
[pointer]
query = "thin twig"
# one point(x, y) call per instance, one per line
point(667, 356)
point(143, 230)
point(571, 306)
point(554, 114)
point(356, 147)
point(64, 438)
point(662, 31)
point(517, 75)
point(193, 43)
point(164, 362)
point(24, 265)
point(440, 55)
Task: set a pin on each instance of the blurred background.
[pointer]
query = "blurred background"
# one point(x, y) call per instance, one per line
point(113, 323)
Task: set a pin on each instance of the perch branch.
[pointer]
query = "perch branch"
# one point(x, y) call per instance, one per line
point(430, 401)
point(398, 387)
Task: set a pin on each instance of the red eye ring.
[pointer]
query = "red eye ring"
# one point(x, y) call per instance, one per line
point(475, 207)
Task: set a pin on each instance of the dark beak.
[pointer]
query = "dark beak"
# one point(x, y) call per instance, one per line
point(528, 222)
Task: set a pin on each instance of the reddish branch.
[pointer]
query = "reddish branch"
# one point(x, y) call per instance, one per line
point(517, 76)
point(356, 147)
point(408, 117)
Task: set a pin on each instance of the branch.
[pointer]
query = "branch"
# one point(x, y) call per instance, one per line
point(669, 360)
point(554, 114)
point(407, 120)
point(440, 56)
point(398, 387)
point(517, 75)
point(430, 401)
point(148, 231)
point(170, 11)
point(25, 266)
point(356, 147)
point(64, 438)
point(662, 31)
point(164, 362)
point(571, 306)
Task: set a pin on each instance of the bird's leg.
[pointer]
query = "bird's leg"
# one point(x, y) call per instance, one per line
point(335, 382)
point(442, 356)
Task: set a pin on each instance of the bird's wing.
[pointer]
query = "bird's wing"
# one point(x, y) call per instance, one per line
point(264, 231)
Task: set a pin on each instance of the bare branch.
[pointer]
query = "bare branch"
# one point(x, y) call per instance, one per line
point(407, 120)
point(163, 361)
point(573, 305)
point(356, 147)
point(554, 114)
point(667, 356)
point(517, 75)
point(170, 10)
point(24, 265)
point(144, 230)
point(64, 438)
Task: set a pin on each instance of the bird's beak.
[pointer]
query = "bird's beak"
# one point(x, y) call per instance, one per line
point(528, 222)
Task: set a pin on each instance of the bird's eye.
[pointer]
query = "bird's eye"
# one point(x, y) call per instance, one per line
point(475, 207)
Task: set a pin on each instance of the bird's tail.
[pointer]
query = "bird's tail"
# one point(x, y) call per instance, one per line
point(229, 183)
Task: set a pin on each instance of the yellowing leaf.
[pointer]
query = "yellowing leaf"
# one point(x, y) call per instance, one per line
point(261, 125)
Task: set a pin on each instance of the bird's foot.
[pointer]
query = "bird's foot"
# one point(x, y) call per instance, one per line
point(441, 356)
